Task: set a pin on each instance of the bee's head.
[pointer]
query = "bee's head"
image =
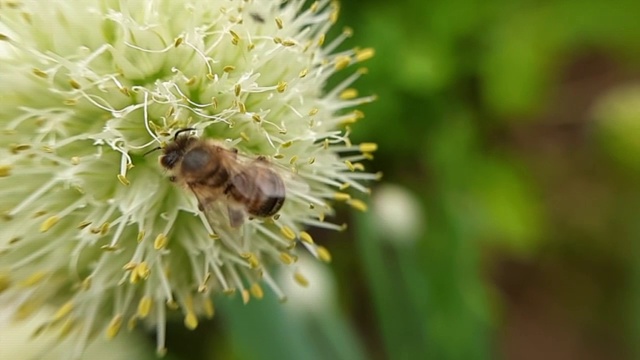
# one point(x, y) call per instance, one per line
point(171, 155)
point(175, 150)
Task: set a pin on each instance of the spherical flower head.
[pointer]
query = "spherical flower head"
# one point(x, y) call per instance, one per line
point(88, 90)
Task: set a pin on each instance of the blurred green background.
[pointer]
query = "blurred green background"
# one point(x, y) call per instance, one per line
point(512, 128)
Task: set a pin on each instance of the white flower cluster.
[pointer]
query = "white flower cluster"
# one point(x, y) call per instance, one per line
point(91, 223)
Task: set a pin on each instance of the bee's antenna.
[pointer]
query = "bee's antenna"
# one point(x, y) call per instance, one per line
point(152, 150)
point(175, 136)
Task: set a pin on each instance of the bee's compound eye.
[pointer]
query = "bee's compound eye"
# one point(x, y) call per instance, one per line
point(196, 159)
point(169, 160)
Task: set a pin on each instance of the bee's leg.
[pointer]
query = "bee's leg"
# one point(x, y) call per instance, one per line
point(261, 158)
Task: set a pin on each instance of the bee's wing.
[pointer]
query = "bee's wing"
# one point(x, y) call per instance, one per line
point(208, 204)
point(236, 215)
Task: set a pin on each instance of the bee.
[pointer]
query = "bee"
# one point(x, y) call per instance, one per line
point(213, 172)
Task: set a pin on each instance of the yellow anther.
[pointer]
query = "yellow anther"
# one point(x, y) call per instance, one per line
point(252, 259)
point(27, 309)
point(39, 330)
point(15, 148)
point(143, 270)
point(368, 147)
point(123, 180)
point(349, 165)
point(321, 39)
point(303, 73)
point(340, 196)
point(286, 144)
point(279, 23)
point(342, 62)
point(40, 73)
point(245, 296)
point(129, 266)
point(256, 118)
point(114, 327)
point(140, 236)
point(311, 160)
point(74, 84)
point(288, 43)
point(139, 272)
point(75, 160)
point(228, 68)
point(66, 328)
point(63, 311)
point(293, 159)
point(144, 306)
point(237, 89)
point(300, 279)
point(48, 224)
point(306, 237)
point(323, 254)
point(202, 288)
point(349, 120)
point(358, 166)
point(358, 204)
point(209, 309)
point(348, 94)
point(86, 283)
point(256, 291)
point(160, 242)
point(235, 39)
point(277, 40)
point(288, 232)
point(104, 229)
point(172, 304)
point(281, 87)
point(178, 41)
point(365, 54)
point(286, 258)
point(242, 107)
point(244, 136)
point(344, 186)
point(192, 80)
point(229, 291)
point(132, 323)
point(5, 282)
point(5, 170)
